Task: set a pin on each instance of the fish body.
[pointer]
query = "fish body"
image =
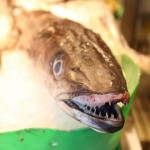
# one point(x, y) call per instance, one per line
point(87, 80)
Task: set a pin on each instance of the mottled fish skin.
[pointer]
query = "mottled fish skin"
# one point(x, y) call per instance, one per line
point(88, 64)
point(82, 49)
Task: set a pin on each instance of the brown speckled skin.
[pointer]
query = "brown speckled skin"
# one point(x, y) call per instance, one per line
point(89, 68)
point(87, 59)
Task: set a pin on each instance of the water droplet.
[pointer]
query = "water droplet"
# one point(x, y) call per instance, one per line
point(54, 143)
point(61, 44)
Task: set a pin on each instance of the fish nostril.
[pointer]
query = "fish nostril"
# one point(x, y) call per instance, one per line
point(75, 69)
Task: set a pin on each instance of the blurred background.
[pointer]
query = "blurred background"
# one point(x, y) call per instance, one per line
point(135, 26)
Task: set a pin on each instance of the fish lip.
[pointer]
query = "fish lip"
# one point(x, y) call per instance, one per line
point(101, 124)
point(114, 97)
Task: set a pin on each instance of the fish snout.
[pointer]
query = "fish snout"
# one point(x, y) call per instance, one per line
point(99, 111)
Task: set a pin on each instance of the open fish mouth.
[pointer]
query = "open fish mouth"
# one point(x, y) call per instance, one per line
point(98, 111)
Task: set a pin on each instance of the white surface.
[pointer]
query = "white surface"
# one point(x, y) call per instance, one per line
point(25, 101)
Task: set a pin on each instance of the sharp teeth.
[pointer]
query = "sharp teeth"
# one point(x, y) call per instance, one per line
point(100, 114)
point(94, 110)
point(112, 116)
point(120, 104)
point(106, 115)
point(109, 103)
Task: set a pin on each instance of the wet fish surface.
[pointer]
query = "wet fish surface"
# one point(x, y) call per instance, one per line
point(87, 80)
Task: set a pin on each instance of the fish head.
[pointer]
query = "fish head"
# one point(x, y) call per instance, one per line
point(88, 80)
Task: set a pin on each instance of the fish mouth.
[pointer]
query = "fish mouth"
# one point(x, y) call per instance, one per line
point(98, 111)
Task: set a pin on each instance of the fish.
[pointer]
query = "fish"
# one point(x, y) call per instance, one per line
point(86, 78)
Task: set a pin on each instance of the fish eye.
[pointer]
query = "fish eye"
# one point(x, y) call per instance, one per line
point(57, 68)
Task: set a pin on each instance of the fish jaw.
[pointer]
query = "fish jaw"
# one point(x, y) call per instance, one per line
point(98, 111)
